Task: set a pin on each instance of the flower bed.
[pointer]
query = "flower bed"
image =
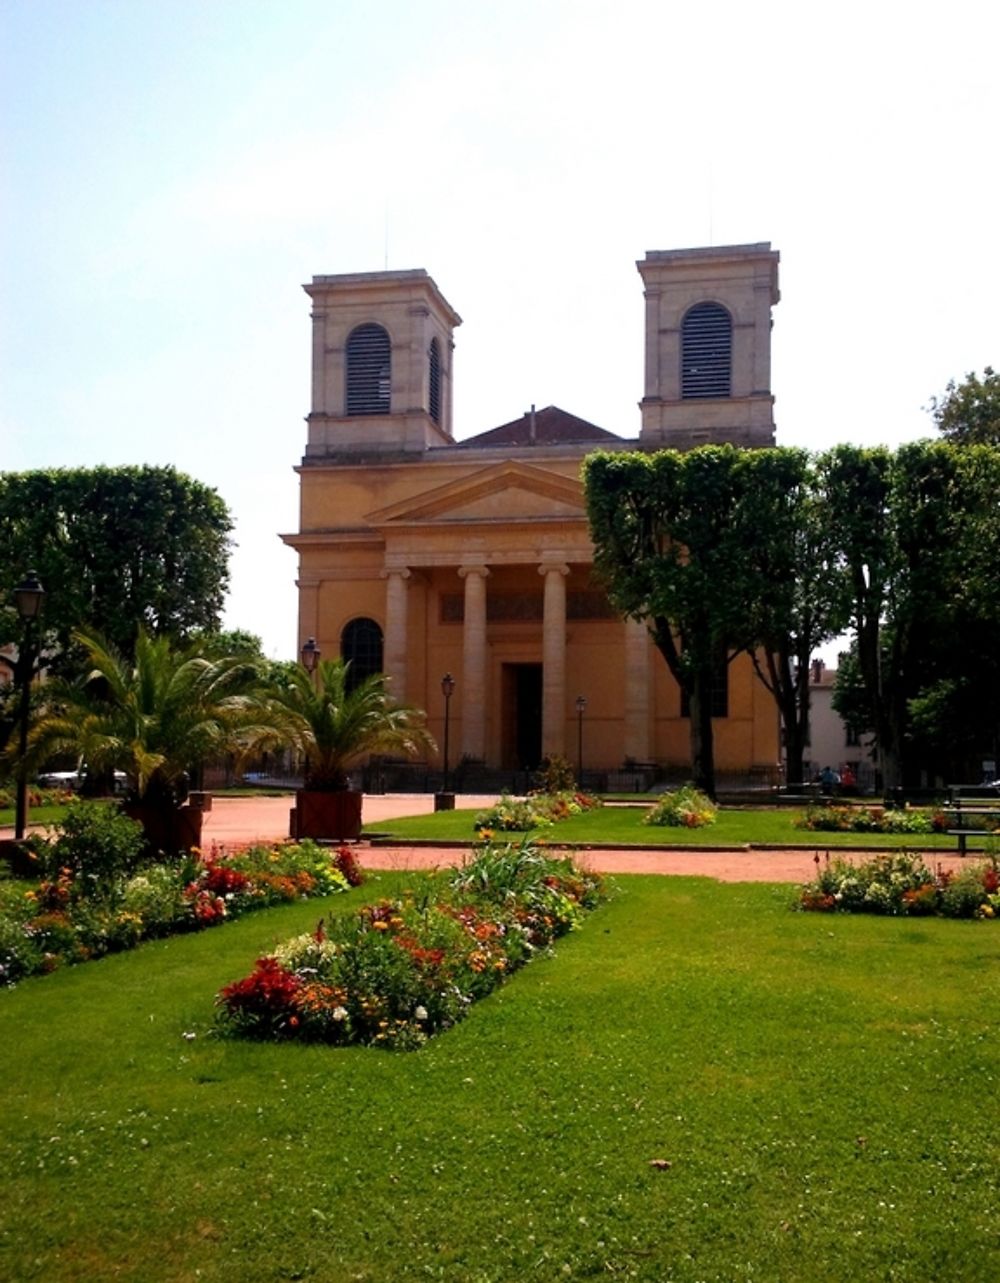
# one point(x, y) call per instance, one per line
point(872, 819)
point(73, 915)
point(536, 811)
point(686, 808)
point(903, 884)
point(400, 970)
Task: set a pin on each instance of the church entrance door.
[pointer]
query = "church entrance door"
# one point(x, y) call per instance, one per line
point(521, 746)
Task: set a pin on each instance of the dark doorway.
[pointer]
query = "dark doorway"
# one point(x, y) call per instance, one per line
point(522, 716)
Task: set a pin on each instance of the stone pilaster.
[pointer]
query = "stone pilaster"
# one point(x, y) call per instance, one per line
point(554, 661)
point(394, 652)
point(473, 691)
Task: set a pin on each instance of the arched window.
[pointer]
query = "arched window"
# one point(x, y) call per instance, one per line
point(361, 646)
point(434, 379)
point(706, 351)
point(368, 370)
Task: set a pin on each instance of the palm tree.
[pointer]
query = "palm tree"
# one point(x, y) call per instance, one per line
point(154, 717)
point(332, 723)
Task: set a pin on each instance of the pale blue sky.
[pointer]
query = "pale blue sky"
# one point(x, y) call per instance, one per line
point(174, 170)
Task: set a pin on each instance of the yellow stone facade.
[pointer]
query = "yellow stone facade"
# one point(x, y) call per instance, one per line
point(472, 557)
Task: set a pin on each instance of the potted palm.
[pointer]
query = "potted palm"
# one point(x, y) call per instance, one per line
point(332, 724)
point(154, 717)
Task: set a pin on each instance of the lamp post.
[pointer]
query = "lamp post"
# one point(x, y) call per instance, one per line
point(581, 705)
point(445, 800)
point(310, 656)
point(28, 599)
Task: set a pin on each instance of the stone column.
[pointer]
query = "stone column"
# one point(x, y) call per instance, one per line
point(554, 661)
point(637, 691)
point(394, 650)
point(473, 691)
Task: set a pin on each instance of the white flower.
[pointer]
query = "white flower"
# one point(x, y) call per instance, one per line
point(420, 1013)
point(340, 1013)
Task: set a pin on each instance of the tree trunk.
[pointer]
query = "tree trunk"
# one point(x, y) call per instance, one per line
point(702, 744)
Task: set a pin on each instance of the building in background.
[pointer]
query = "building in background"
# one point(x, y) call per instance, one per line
point(833, 743)
point(421, 554)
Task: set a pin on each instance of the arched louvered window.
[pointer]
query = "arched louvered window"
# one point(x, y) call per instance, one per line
point(361, 646)
point(434, 379)
point(368, 370)
point(706, 351)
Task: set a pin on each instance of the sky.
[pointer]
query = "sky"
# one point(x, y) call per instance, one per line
point(173, 172)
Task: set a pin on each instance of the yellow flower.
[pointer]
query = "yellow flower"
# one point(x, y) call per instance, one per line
point(381, 926)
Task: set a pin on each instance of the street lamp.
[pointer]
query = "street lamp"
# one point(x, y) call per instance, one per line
point(310, 656)
point(445, 800)
point(581, 705)
point(28, 599)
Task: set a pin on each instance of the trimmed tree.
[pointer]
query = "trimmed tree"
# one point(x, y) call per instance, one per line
point(118, 549)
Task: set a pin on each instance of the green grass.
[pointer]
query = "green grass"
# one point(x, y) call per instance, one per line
point(36, 815)
point(822, 1087)
point(623, 826)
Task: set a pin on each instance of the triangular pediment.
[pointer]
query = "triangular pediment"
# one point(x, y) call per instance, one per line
point(505, 491)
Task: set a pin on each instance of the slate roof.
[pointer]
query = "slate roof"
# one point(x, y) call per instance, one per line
point(552, 427)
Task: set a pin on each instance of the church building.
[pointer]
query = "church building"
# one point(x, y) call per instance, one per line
point(422, 555)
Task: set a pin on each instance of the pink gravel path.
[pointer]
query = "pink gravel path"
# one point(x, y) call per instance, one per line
point(247, 819)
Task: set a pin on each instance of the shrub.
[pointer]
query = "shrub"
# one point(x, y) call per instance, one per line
point(537, 810)
point(94, 841)
point(555, 775)
point(687, 808)
point(868, 819)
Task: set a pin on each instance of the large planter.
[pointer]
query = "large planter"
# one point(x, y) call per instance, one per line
point(335, 817)
point(170, 831)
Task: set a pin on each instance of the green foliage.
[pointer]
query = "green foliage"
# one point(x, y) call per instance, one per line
point(94, 841)
point(404, 968)
point(721, 550)
point(332, 725)
point(969, 412)
point(153, 717)
point(918, 536)
point(116, 549)
point(687, 808)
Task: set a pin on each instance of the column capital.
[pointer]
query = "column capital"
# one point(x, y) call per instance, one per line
point(560, 567)
point(464, 571)
point(403, 572)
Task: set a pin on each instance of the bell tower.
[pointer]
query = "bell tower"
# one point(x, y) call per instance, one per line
point(708, 345)
point(381, 364)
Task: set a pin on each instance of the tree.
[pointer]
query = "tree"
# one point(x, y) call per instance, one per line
point(117, 549)
point(800, 599)
point(332, 725)
point(671, 540)
point(918, 536)
point(154, 717)
point(969, 412)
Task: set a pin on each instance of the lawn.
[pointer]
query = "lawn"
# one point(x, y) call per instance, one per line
point(817, 1092)
point(36, 815)
point(623, 826)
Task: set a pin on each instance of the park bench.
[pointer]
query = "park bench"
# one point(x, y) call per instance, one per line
point(973, 819)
